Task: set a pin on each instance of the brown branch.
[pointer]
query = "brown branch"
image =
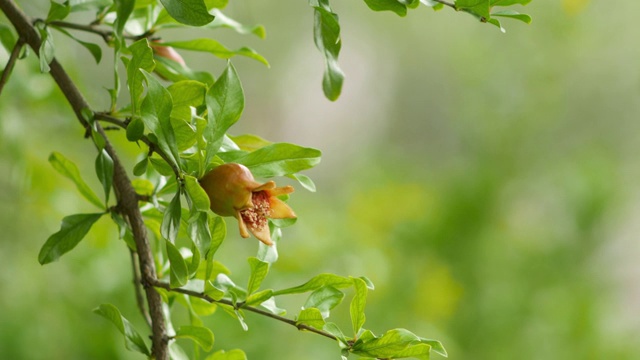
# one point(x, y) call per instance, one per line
point(15, 53)
point(126, 195)
point(252, 309)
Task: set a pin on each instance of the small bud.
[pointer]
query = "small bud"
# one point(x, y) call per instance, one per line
point(233, 191)
point(167, 52)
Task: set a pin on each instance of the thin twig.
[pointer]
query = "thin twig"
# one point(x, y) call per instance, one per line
point(256, 310)
point(106, 34)
point(137, 285)
point(15, 53)
point(446, 3)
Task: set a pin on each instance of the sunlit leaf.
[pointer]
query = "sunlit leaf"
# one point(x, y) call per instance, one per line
point(104, 170)
point(200, 335)
point(215, 48)
point(387, 5)
point(171, 219)
point(179, 272)
point(357, 306)
point(189, 12)
point(68, 169)
point(259, 270)
point(72, 231)
point(317, 282)
point(310, 317)
point(235, 354)
point(132, 339)
point(141, 58)
point(324, 299)
point(280, 159)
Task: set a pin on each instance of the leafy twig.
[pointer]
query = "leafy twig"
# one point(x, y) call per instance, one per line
point(152, 146)
point(256, 310)
point(15, 53)
point(127, 197)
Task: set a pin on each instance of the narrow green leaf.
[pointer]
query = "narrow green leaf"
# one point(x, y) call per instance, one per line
point(304, 180)
point(249, 142)
point(199, 334)
point(394, 343)
point(156, 114)
point(259, 270)
point(436, 346)
point(513, 15)
point(479, 8)
point(171, 219)
point(326, 35)
point(58, 11)
point(317, 282)
point(222, 20)
point(311, 317)
point(186, 95)
point(196, 193)
point(215, 48)
point(179, 273)
point(46, 51)
point(218, 234)
point(104, 170)
point(334, 330)
point(324, 299)
point(72, 231)
point(280, 159)
point(225, 103)
point(259, 297)
point(132, 339)
point(358, 304)
point(141, 58)
point(235, 354)
point(270, 253)
point(387, 5)
point(124, 8)
point(194, 264)
point(188, 12)
point(200, 232)
point(69, 170)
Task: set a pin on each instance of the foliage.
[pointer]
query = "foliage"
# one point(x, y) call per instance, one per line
point(181, 117)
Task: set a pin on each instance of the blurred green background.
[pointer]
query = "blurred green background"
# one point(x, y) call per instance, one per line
point(485, 182)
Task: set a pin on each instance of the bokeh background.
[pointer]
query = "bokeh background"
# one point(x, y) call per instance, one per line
point(487, 183)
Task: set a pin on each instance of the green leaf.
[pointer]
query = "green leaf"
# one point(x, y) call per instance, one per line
point(259, 270)
point(188, 12)
point(436, 346)
point(58, 11)
point(334, 330)
point(179, 272)
point(304, 180)
point(326, 34)
point(280, 159)
point(141, 58)
point(235, 354)
point(46, 51)
point(199, 334)
point(171, 219)
point(124, 8)
point(196, 193)
point(218, 234)
point(69, 170)
point(358, 304)
point(479, 8)
point(249, 142)
point(156, 114)
point(215, 48)
point(387, 5)
point(324, 299)
point(225, 103)
point(135, 129)
point(222, 20)
point(72, 230)
point(200, 232)
point(270, 253)
point(311, 317)
point(104, 170)
point(513, 15)
point(259, 297)
point(396, 343)
point(186, 94)
point(317, 282)
point(132, 339)
point(509, 2)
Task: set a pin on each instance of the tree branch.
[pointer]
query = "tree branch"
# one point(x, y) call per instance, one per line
point(15, 53)
point(126, 195)
point(256, 310)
